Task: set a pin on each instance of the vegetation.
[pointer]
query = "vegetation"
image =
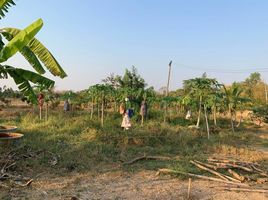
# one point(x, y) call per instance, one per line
point(34, 51)
point(88, 138)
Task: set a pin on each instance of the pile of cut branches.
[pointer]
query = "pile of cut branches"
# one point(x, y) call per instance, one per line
point(231, 172)
point(10, 170)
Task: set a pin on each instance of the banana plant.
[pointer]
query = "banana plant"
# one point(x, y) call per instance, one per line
point(4, 6)
point(34, 51)
point(233, 98)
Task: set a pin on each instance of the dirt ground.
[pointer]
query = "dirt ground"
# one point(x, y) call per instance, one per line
point(119, 185)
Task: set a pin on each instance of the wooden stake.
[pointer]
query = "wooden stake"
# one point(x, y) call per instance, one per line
point(189, 188)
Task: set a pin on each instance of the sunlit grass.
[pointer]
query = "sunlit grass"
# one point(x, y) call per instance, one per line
point(81, 144)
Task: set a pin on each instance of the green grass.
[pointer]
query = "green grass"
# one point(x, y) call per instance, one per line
point(81, 144)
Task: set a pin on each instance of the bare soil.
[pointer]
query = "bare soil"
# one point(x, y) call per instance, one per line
point(120, 185)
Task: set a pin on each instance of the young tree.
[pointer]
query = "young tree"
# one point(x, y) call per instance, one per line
point(201, 89)
point(233, 98)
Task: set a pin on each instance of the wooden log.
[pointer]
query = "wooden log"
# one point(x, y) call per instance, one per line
point(169, 171)
point(227, 177)
point(209, 170)
point(236, 175)
point(211, 160)
point(229, 166)
point(207, 165)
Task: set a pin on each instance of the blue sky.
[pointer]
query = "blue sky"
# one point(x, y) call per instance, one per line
point(91, 39)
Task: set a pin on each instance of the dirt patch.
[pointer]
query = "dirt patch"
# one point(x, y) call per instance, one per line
point(121, 185)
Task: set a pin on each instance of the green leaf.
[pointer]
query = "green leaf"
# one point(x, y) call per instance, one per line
point(23, 78)
point(40, 50)
point(4, 6)
point(20, 40)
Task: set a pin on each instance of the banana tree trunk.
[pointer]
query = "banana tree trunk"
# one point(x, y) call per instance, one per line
point(199, 112)
point(206, 117)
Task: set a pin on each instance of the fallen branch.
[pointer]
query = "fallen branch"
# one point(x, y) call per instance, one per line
point(169, 171)
point(207, 165)
point(28, 183)
point(259, 171)
point(245, 190)
point(209, 170)
point(229, 166)
point(211, 160)
point(144, 157)
point(236, 175)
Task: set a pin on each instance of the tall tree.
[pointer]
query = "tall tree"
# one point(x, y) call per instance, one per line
point(251, 82)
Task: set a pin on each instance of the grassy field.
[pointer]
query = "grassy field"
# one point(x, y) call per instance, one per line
point(72, 142)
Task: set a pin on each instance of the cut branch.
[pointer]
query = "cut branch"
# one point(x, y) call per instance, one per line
point(144, 157)
point(169, 171)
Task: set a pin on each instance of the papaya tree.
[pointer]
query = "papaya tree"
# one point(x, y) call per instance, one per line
point(201, 89)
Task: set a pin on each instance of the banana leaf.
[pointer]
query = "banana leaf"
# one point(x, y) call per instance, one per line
point(36, 48)
point(4, 6)
point(20, 40)
point(23, 78)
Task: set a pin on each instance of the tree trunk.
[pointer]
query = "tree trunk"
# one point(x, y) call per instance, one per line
point(46, 116)
point(142, 119)
point(92, 108)
point(214, 115)
point(40, 112)
point(206, 117)
point(231, 117)
point(240, 119)
point(165, 114)
point(115, 105)
point(199, 112)
point(98, 104)
point(102, 110)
